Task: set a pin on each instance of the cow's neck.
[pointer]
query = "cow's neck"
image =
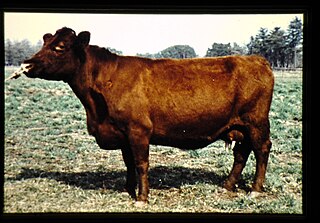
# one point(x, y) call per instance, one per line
point(86, 77)
point(81, 83)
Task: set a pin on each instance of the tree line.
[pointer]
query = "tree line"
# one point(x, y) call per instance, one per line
point(17, 51)
point(282, 48)
point(176, 51)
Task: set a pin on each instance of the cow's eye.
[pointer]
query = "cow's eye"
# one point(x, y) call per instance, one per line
point(59, 48)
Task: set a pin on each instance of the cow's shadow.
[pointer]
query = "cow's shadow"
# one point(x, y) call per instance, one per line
point(160, 177)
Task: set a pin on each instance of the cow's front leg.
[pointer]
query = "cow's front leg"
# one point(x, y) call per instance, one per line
point(131, 171)
point(139, 142)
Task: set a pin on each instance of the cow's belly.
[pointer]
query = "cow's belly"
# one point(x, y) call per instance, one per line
point(182, 142)
point(191, 134)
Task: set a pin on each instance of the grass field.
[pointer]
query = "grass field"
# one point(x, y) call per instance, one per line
point(53, 165)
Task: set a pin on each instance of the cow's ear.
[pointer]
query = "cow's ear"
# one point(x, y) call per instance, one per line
point(83, 39)
point(46, 37)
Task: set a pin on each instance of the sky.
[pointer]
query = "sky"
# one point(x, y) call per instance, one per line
point(147, 33)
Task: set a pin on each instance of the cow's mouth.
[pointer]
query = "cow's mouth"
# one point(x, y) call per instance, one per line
point(30, 71)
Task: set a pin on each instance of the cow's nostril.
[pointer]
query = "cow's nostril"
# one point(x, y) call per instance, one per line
point(29, 66)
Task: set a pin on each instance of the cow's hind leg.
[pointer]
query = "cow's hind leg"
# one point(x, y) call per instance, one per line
point(261, 151)
point(241, 152)
point(261, 145)
point(261, 156)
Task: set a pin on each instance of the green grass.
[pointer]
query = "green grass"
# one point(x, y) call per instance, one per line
point(53, 165)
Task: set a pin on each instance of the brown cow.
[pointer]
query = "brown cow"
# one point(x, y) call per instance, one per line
point(132, 102)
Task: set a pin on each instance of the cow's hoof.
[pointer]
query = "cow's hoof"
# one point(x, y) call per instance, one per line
point(229, 186)
point(140, 204)
point(223, 190)
point(254, 194)
point(257, 187)
point(132, 192)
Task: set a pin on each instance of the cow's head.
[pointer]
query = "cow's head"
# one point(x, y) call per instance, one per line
point(60, 56)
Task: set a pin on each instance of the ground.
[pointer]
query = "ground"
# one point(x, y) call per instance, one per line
point(53, 165)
